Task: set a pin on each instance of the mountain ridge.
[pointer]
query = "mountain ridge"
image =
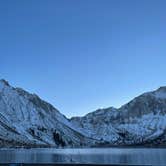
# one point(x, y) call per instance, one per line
point(130, 121)
point(27, 120)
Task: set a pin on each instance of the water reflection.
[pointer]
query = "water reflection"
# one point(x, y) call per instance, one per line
point(137, 156)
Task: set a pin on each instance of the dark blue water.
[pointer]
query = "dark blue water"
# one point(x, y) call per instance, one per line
point(123, 156)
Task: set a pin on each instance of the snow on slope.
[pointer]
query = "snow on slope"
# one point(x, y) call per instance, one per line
point(140, 121)
point(26, 119)
point(98, 125)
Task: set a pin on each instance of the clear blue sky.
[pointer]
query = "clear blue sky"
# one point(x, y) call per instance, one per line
point(81, 55)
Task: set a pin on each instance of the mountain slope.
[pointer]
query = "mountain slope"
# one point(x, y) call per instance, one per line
point(141, 121)
point(27, 120)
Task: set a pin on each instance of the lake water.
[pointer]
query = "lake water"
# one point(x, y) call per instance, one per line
point(131, 156)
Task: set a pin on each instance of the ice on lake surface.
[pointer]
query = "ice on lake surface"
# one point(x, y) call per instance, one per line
point(136, 156)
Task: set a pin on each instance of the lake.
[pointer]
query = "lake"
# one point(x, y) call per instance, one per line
point(123, 156)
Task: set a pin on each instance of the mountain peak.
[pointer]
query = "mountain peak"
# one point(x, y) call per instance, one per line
point(3, 81)
point(162, 88)
point(160, 92)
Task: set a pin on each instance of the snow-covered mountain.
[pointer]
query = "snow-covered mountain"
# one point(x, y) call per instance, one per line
point(27, 120)
point(141, 121)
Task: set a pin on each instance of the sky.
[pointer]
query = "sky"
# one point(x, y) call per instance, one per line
point(81, 55)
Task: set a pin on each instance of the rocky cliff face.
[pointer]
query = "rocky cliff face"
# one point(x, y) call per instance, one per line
point(141, 121)
point(26, 120)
